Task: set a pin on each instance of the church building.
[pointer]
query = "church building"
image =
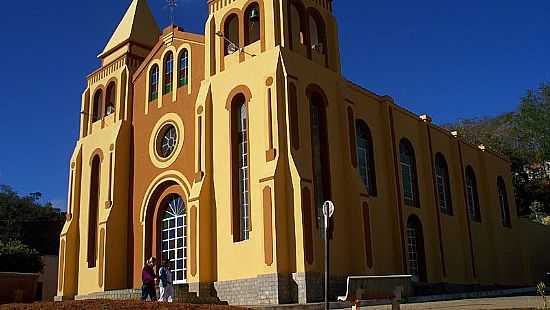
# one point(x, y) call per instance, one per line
point(217, 150)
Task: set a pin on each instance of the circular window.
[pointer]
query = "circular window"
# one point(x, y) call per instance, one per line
point(167, 141)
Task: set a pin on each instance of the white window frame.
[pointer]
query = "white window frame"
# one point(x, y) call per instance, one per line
point(172, 243)
point(244, 160)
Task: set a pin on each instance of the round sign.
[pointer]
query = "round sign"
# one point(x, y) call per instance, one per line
point(328, 208)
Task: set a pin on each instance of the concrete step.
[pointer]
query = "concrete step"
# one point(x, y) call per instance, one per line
point(181, 295)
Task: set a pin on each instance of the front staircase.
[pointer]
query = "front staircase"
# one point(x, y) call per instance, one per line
point(181, 295)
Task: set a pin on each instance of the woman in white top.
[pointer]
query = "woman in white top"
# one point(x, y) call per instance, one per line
point(165, 285)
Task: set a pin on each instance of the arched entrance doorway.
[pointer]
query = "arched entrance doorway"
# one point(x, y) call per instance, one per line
point(173, 236)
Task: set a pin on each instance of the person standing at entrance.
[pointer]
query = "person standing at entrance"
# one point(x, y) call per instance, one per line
point(148, 277)
point(166, 287)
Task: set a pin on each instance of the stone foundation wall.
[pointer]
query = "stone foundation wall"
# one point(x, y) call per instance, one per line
point(311, 287)
point(239, 292)
point(276, 289)
point(128, 294)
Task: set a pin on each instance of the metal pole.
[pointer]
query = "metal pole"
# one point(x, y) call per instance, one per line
point(326, 262)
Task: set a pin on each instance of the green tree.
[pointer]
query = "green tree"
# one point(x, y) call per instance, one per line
point(16, 210)
point(533, 123)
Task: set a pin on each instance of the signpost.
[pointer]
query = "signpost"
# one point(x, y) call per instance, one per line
point(328, 211)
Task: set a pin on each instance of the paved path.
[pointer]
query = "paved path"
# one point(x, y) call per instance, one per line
point(502, 303)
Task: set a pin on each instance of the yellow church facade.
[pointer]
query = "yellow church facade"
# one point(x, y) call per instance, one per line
point(217, 150)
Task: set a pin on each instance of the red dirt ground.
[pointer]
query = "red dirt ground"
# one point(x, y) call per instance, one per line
point(108, 304)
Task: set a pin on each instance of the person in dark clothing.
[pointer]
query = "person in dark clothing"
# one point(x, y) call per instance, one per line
point(165, 282)
point(148, 278)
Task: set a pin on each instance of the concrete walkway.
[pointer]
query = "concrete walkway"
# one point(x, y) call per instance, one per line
point(500, 303)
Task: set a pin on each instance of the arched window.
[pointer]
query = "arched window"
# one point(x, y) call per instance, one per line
point(365, 156)
point(415, 249)
point(443, 185)
point(110, 104)
point(408, 173)
point(503, 202)
point(317, 34)
point(252, 19)
point(174, 237)
point(93, 210)
point(183, 71)
point(319, 147)
point(154, 83)
point(231, 32)
point(472, 195)
point(241, 174)
point(168, 72)
point(96, 108)
point(297, 24)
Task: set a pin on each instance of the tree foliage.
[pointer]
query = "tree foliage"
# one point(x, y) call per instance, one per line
point(17, 257)
point(524, 137)
point(21, 217)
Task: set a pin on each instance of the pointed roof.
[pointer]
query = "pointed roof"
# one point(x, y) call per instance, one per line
point(138, 26)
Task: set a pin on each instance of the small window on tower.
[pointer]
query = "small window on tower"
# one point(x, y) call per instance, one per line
point(231, 33)
point(154, 83)
point(96, 108)
point(297, 22)
point(317, 34)
point(183, 71)
point(110, 105)
point(252, 24)
point(168, 72)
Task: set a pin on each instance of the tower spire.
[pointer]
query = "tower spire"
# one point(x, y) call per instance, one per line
point(137, 26)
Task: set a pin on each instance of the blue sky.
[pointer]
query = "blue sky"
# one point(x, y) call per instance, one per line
point(449, 59)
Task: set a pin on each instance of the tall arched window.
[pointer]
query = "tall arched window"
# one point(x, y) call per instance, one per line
point(168, 72)
point(174, 237)
point(365, 156)
point(472, 195)
point(319, 147)
point(252, 19)
point(317, 33)
point(154, 83)
point(297, 24)
point(231, 32)
point(415, 249)
point(96, 108)
point(241, 174)
point(93, 211)
point(183, 71)
point(503, 202)
point(110, 98)
point(443, 184)
point(408, 173)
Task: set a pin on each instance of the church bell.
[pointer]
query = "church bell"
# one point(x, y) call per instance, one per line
point(254, 15)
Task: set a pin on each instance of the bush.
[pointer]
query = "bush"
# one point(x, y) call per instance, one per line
point(17, 257)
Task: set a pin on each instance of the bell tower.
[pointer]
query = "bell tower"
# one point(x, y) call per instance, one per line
point(93, 245)
point(310, 30)
point(238, 30)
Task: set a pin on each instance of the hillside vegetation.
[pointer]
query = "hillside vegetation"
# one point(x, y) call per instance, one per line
point(524, 137)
